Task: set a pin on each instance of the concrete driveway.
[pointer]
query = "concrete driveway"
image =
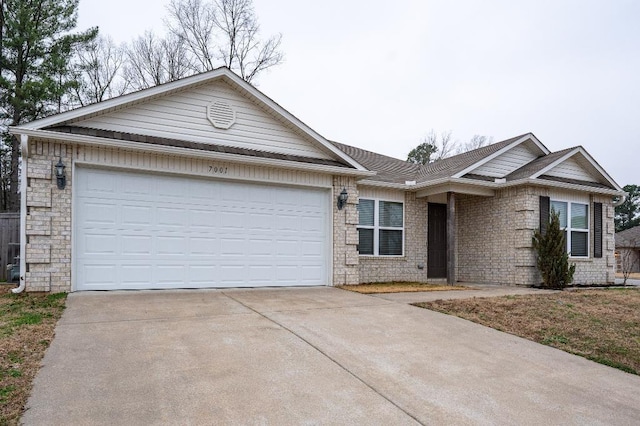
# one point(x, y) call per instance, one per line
point(307, 356)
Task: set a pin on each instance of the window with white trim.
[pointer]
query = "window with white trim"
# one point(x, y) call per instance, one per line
point(381, 228)
point(574, 220)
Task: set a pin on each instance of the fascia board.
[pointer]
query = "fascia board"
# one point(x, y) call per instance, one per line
point(129, 98)
point(528, 136)
point(590, 160)
point(564, 185)
point(152, 92)
point(554, 164)
point(286, 115)
point(186, 152)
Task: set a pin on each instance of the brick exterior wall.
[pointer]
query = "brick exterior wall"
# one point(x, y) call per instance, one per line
point(48, 225)
point(345, 233)
point(380, 269)
point(494, 234)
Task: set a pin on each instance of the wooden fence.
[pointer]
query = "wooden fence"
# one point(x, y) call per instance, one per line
point(9, 241)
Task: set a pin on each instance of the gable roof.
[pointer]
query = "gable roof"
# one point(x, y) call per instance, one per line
point(43, 126)
point(458, 165)
point(460, 168)
point(629, 237)
point(543, 168)
point(389, 169)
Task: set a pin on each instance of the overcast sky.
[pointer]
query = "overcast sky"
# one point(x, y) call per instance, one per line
point(381, 74)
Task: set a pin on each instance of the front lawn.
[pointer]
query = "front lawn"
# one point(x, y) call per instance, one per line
point(399, 287)
point(27, 322)
point(601, 325)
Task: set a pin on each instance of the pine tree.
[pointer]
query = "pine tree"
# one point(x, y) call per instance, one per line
point(552, 256)
point(36, 47)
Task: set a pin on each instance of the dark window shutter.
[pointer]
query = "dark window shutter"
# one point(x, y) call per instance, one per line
point(545, 203)
point(597, 229)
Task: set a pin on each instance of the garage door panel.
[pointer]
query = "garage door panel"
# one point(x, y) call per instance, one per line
point(203, 219)
point(99, 244)
point(137, 184)
point(170, 217)
point(98, 214)
point(136, 245)
point(204, 246)
point(136, 215)
point(260, 248)
point(98, 182)
point(98, 275)
point(175, 274)
point(134, 275)
point(311, 273)
point(137, 231)
point(171, 245)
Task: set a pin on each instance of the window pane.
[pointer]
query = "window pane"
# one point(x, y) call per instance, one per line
point(561, 208)
point(579, 216)
point(390, 243)
point(390, 214)
point(579, 243)
point(365, 209)
point(365, 245)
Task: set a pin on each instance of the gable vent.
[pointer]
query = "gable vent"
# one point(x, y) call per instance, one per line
point(221, 114)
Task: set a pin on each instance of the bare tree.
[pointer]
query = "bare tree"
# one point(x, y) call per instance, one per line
point(476, 141)
point(629, 258)
point(435, 147)
point(224, 32)
point(152, 60)
point(99, 65)
point(432, 147)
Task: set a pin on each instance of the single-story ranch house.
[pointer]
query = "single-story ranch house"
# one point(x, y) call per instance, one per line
point(207, 182)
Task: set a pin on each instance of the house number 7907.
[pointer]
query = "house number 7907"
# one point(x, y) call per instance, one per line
point(218, 169)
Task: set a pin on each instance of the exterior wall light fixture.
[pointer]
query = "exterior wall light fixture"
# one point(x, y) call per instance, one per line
point(61, 177)
point(342, 198)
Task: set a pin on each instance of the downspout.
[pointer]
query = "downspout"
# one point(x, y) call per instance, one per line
point(620, 200)
point(24, 145)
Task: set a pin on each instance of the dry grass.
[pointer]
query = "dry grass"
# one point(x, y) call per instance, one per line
point(601, 325)
point(399, 287)
point(27, 322)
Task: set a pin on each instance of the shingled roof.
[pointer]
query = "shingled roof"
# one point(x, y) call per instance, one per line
point(393, 170)
point(629, 237)
point(132, 137)
point(389, 169)
point(536, 165)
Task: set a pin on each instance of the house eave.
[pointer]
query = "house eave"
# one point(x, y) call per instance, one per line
point(474, 187)
point(182, 84)
point(187, 152)
point(527, 137)
point(564, 185)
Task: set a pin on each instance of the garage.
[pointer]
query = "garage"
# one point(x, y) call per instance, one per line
point(137, 230)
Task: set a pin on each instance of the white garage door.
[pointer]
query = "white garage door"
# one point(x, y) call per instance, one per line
point(144, 231)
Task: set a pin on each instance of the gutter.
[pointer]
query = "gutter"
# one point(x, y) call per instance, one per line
point(620, 200)
point(496, 185)
point(187, 152)
point(24, 145)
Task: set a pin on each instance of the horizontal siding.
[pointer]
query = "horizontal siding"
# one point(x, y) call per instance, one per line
point(381, 193)
point(571, 169)
point(183, 116)
point(119, 158)
point(506, 163)
point(571, 196)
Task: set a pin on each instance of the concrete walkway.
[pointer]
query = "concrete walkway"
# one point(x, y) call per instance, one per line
point(307, 356)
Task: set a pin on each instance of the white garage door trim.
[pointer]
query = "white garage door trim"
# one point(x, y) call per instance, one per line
point(288, 242)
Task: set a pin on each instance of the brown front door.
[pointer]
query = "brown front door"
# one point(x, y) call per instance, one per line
point(437, 241)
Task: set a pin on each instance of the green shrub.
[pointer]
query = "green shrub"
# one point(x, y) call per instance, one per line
point(552, 256)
